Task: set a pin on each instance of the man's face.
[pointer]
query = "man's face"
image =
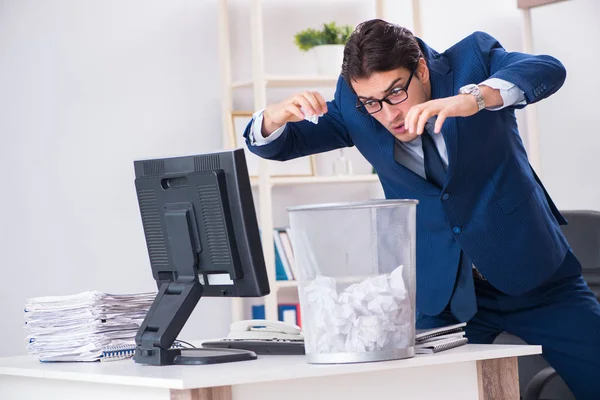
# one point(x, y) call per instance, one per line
point(391, 85)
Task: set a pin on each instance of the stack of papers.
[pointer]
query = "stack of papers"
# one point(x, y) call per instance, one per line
point(85, 326)
point(428, 341)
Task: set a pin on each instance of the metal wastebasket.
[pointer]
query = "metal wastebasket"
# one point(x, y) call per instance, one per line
point(355, 266)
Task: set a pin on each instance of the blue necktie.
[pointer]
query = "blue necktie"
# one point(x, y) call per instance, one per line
point(463, 303)
point(434, 168)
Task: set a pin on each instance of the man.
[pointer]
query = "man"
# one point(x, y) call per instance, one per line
point(441, 128)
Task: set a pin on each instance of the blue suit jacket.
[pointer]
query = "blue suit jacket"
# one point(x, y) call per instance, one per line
point(492, 204)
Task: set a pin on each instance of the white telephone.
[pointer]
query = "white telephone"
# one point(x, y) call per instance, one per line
point(262, 329)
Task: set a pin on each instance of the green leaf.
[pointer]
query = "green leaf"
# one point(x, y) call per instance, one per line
point(330, 34)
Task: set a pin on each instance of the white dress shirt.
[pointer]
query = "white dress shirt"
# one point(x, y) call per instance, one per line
point(413, 160)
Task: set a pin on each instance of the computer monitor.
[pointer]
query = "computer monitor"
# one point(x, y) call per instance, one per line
point(203, 240)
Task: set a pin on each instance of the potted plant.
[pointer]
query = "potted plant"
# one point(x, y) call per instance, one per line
point(327, 44)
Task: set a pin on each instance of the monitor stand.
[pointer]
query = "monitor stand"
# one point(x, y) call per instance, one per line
point(165, 319)
point(212, 356)
point(176, 299)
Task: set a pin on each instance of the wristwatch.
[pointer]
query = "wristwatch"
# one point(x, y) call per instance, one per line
point(474, 90)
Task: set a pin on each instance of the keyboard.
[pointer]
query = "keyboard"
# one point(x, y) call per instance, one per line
point(260, 346)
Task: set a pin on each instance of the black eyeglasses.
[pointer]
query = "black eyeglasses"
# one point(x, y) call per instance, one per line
point(396, 96)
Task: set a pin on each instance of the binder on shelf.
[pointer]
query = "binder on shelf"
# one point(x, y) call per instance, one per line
point(258, 312)
point(280, 249)
point(286, 241)
point(288, 312)
point(298, 316)
point(280, 273)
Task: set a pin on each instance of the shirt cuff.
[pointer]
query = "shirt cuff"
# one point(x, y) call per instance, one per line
point(510, 93)
point(260, 140)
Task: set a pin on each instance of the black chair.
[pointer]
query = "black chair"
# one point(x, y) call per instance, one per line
point(537, 379)
point(583, 234)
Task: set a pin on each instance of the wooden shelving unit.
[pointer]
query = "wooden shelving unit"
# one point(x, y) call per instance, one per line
point(308, 180)
point(273, 81)
point(265, 182)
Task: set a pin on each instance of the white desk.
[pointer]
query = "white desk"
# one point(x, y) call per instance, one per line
point(468, 372)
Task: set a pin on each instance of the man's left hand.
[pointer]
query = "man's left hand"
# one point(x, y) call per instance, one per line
point(461, 105)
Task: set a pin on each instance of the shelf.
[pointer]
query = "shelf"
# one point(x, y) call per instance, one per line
point(339, 279)
point(274, 81)
point(285, 284)
point(307, 180)
point(299, 180)
point(242, 84)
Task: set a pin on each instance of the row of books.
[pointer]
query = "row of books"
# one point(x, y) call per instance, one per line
point(284, 255)
point(288, 313)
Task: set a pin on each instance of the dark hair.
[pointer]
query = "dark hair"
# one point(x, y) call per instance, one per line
point(379, 46)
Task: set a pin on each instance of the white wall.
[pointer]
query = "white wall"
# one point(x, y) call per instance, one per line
point(86, 87)
point(569, 121)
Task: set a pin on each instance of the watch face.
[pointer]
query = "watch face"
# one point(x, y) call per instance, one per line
point(474, 90)
point(467, 88)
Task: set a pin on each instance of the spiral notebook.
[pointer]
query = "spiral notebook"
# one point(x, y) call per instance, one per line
point(436, 346)
point(125, 351)
point(442, 331)
point(118, 352)
point(428, 341)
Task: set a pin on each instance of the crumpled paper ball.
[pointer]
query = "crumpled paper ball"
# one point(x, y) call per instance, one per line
point(372, 315)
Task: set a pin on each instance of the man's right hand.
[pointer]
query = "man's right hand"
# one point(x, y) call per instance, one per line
point(289, 110)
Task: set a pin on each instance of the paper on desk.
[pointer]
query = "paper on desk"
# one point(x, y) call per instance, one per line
point(80, 327)
point(373, 315)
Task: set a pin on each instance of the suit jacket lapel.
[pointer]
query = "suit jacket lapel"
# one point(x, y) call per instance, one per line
point(442, 85)
point(410, 178)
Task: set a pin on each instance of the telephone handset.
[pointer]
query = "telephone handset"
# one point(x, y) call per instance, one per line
point(262, 337)
point(262, 329)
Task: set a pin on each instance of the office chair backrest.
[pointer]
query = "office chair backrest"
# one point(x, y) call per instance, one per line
point(583, 234)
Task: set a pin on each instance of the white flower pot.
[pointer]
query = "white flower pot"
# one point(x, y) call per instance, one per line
point(329, 59)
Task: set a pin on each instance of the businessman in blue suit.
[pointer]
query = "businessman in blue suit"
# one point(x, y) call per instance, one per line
point(441, 128)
